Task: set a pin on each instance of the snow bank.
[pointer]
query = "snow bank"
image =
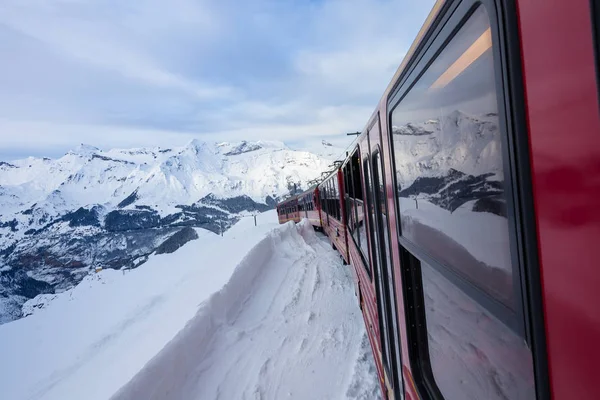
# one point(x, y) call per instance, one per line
point(285, 325)
point(253, 313)
point(193, 343)
point(89, 341)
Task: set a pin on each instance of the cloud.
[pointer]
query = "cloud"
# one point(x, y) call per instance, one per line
point(120, 73)
point(112, 41)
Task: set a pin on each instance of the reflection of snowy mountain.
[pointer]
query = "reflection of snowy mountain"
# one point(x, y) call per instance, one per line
point(452, 197)
point(451, 160)
point(455, 189)
point(93, 208)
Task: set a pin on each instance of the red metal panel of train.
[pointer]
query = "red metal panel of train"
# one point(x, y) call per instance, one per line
point(468, 206)
point(564, 134)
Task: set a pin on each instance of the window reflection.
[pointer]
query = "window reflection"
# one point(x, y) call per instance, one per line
point(473, 355)
point(448, 155)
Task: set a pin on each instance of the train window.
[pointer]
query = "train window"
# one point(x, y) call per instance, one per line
point(352, 218)
point(347, 196)
point(330, 197)
point(448, 156)
point(336, 198)
point(453, 197)
point(472, 354)
point(364, 246)
point(327, 201)
point(384, 275)
point(355, 202)
point(323, 200)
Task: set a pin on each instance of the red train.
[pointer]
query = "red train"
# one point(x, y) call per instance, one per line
point(468, 208)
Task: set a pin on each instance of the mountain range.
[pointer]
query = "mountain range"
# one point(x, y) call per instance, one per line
point(91, 208)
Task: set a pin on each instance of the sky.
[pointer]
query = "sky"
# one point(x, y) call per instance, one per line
point(135, 73)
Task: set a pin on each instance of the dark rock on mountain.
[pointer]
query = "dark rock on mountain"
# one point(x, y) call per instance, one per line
point(12, 224)
point(82, 217)
point(177, 240)
point(271, 202)
point(210, 218)
point(244, 147)
point(22, 284)
point(7, 251)
point(127, 220)
point(128, 200)
point(29, 211)
point(104, 158)
point(235, 204)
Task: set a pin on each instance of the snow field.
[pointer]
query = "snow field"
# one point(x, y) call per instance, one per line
point(286, 325)
point(89, 341)
point(253, 314)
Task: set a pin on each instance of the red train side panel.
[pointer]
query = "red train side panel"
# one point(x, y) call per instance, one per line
point(564, 126)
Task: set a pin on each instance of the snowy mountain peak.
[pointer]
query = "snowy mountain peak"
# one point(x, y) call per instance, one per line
point(7, 165)
point(195, 145)
point(243, 147)
point(84, 150)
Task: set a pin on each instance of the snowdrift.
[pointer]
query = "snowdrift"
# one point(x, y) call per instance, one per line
point(252, 338)
point(253, 313)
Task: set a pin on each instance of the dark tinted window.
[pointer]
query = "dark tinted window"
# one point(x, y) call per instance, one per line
point(473, 355)
point(449, 168)
point(385, 274)
point(362, 216)
point(383, 213)
point(596, 32)
point(353, 203)
point(326, 199)
point(346, 174)
point(329, 197)
point(371, 208)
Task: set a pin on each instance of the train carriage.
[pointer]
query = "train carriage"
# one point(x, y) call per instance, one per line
point(308, 207)
point(333, 221)
point(288, 210)
point(468, 206)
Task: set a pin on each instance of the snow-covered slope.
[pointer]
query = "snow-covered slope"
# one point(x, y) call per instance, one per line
point(61, 218)
point(160, 178)
point(270, 319)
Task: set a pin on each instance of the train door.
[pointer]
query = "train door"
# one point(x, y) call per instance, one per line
point(383, 266)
